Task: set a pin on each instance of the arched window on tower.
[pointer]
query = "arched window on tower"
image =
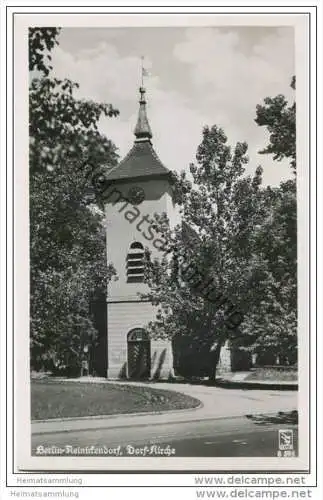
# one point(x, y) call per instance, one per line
point(136, 263)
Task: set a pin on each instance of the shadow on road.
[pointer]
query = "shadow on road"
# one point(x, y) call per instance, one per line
point(282, 417)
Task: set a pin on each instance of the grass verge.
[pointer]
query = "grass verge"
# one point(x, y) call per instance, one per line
point(61, 399)
point(272, 374)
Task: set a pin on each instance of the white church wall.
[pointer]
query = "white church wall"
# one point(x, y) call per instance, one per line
point(123, 228)
point(123, 317)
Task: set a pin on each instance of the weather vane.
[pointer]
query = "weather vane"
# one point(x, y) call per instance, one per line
point(144, 72)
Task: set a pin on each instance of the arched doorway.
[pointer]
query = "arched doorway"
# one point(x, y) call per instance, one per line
point(138, 354)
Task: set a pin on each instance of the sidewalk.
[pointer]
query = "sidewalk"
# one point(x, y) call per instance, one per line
point(216, 402)
point(238, 380)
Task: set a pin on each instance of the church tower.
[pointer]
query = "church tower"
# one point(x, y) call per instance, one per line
point(139, 186)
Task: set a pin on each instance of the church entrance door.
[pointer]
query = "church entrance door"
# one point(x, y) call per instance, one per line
point(138, 354)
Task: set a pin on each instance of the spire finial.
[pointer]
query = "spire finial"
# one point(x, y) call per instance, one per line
point(142, 70)
point(142, 130)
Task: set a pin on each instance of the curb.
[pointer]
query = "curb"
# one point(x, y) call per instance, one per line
point(219, 417)
point(278, 386)
point(130, 423)
point(118, 415)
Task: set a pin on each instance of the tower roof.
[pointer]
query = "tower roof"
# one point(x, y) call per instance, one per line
point(142, 160)
point(142, 130)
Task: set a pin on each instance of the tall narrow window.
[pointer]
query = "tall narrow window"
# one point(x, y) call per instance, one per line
point(136, 263)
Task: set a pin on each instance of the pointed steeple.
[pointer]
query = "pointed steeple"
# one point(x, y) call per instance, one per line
point(142, 161)
point(142, 129)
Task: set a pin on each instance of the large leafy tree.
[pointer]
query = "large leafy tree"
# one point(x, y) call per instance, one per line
point(209, 277)
point(275, 320)
point(244, 242)
point(273, 323)
point(279, 118)
point(67, 240)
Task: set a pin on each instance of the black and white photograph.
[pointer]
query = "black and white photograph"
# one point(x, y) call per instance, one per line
point(165, 215)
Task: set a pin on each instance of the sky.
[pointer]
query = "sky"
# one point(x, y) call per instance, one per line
point(197, 76)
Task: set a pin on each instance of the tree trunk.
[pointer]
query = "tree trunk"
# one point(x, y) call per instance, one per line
point(171, 374)
point(215, 356)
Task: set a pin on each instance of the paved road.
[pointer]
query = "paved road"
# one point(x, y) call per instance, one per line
point(224, 437)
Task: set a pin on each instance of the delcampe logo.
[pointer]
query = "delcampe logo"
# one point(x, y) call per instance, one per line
point(285, 439)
